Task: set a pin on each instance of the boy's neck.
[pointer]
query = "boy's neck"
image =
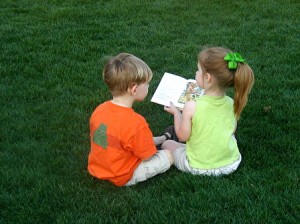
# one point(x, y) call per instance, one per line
point(124, 101)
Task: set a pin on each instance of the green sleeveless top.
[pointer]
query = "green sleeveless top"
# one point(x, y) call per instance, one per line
point(212, 143)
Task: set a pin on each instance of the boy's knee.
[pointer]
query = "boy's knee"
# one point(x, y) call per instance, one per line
point(166, 144)
point(170, 144)
point(170, 156)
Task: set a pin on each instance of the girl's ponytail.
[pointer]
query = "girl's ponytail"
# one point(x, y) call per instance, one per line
point(230, 70)
point(243, 82)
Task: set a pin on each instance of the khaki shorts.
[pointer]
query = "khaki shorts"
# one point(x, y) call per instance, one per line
point(158, 163)
point(182, 163)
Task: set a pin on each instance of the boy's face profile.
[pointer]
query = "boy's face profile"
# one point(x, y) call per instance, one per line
point(141, 91)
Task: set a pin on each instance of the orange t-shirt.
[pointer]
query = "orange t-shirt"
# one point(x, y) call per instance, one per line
point(120, 140)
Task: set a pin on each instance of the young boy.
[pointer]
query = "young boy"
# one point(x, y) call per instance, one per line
point(123, 149)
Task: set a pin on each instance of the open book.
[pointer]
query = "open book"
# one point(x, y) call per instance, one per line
point(176, 89)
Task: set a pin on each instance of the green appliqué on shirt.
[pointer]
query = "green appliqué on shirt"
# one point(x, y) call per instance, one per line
point(100, 136)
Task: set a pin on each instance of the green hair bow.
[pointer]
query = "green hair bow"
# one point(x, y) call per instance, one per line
point(233, 59)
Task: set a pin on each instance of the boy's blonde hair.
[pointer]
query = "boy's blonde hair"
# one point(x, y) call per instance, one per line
point(123, 71)
point(212, 61)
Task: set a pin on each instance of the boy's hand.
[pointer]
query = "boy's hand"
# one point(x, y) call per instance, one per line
point(171, 109)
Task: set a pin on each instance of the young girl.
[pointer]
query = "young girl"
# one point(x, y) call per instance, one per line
point(208, 124)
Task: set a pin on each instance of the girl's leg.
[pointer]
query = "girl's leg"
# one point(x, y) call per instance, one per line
point(171, 145)
point(179, 154)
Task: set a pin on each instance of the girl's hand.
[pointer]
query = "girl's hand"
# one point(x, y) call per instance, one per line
point(171, 109)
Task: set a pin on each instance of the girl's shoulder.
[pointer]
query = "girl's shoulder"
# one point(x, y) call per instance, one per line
point(209, 98)
point(229, 99)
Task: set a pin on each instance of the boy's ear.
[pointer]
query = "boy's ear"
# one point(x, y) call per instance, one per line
point(132, 89)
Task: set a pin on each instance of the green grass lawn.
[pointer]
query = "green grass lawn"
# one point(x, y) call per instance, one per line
point(50, 71)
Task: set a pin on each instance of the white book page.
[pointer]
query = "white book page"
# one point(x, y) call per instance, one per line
point(169, 90)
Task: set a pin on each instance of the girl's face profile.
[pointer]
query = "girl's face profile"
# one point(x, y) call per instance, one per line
point(199, 76)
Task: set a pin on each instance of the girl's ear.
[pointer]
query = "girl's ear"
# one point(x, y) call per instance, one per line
point(208, 77)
